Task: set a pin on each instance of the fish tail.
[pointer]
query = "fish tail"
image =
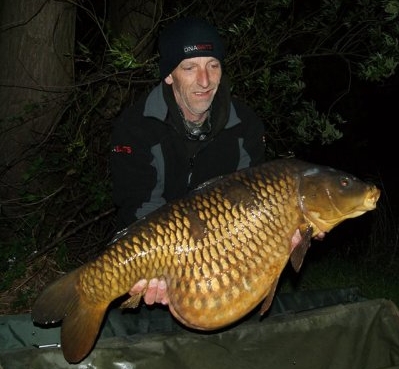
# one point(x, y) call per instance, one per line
point(81, 318)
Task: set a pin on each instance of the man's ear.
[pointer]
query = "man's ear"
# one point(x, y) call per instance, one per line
point(169, 79)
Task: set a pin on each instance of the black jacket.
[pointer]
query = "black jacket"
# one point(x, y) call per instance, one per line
point(153, 161)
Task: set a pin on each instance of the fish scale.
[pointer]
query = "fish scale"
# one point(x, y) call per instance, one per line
point(221, 249)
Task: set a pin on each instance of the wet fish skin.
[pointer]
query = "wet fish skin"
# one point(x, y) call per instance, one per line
point(221, 249)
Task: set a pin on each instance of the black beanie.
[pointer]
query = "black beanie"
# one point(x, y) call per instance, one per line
point(188, 38)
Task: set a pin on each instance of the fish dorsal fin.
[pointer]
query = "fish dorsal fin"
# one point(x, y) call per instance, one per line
point(299, 251)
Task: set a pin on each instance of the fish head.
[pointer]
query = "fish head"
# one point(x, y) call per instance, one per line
point(329, 196)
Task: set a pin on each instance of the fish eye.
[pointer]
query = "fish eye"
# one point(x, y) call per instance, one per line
point(345, 181)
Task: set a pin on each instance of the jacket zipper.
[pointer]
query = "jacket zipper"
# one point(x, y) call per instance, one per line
point(190, 172)
point(191, 162)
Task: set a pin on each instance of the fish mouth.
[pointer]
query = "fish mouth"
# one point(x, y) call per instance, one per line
point(370, 202)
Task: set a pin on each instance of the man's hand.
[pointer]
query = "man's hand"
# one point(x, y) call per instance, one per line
point(154, 291)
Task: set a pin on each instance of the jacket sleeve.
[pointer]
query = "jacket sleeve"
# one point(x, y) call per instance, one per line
point(133, 173)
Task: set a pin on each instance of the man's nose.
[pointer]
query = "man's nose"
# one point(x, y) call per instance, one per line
point(203, 77)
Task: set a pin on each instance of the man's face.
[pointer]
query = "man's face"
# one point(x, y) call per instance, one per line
point(195, 82)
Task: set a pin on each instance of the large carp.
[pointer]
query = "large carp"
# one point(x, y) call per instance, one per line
point(220, 249)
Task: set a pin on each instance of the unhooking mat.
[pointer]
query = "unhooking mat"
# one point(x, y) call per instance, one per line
point(329, 330)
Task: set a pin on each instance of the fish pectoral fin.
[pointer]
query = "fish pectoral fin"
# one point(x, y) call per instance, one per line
point(132, 302)
point(299, 251)
point(269, 298)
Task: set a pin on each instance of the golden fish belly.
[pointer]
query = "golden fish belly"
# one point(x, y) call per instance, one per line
point(214, 302)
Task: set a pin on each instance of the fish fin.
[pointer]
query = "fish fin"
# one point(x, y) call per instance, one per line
point(132, 302)
point(80, 329)
point(269, 298)
point(299, 251)
point(54, 302)
point(81, 318)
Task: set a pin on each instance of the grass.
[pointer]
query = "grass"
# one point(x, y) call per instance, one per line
point(334, 272)
point(22, 291)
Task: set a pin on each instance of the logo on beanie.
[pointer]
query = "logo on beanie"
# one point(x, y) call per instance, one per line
point(190, 49)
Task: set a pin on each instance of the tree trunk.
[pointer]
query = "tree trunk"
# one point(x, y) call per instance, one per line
point(36, 76)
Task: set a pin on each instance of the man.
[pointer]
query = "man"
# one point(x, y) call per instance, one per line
point(187, 130)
